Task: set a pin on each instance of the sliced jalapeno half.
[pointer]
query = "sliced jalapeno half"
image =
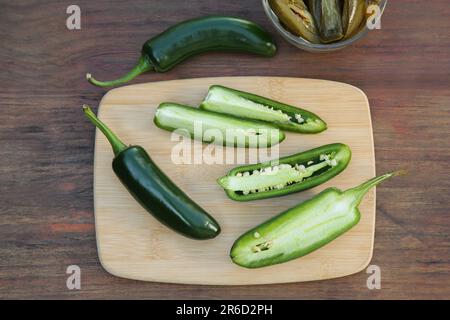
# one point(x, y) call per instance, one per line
point(352, 16)
point(304, 228)
point(251, 106)
point(295, 16)
point(217, 128)
point(286, 175)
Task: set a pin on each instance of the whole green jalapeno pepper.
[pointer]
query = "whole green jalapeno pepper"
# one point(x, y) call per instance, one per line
point(286, 175)
point(213, 33)
point(251, 106)
point(154, 190)
point(217, 128)
point(303, 229)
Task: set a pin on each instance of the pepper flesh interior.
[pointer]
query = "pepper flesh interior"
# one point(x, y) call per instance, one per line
point(275, 177)
point(224, 101)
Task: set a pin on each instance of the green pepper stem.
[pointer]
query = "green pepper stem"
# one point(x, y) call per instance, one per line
point(142, 66)
point(117, 145)
point(360, 191)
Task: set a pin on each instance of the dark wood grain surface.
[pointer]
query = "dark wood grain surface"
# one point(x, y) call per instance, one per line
point(46, 146)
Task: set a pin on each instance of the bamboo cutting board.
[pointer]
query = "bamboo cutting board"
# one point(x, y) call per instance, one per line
point(132, 244)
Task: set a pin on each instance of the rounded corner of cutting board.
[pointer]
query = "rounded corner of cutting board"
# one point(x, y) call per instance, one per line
point(313, 94)
point(109, 266)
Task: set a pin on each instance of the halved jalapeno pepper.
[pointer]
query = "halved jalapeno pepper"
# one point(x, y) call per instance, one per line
point(304, 228)
point(352, 16)
point(295, 16)
point(215, 127)
point(251, 106)
point(286, 175)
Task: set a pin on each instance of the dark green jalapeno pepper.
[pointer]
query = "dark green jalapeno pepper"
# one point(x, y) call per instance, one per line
point(304, 228)
point(251, 106)
point(327, 14)
point(215, 127)
point(154, 190)
point(286, 175)
point(214, 33)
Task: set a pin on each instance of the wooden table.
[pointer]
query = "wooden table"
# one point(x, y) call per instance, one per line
point(46, 209)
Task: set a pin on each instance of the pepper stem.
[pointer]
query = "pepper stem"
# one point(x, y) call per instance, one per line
point(360, 191)
point(117, 145)
point(142, 66)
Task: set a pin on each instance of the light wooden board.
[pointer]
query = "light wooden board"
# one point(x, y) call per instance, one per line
point(132, 244)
